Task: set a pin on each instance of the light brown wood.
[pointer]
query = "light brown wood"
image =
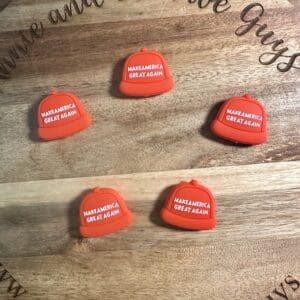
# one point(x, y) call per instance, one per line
point(154, 143)
point(255, 246)
point(208, 61)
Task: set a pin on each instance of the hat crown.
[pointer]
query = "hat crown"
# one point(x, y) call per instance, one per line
point(103, 211)
point(242, 120)
point(145, 73)
point(244, 113)
point(60, 115)
point(145, 66)
point(100, 206)
point(58, 109)
point(191, 200)
point(191, 206)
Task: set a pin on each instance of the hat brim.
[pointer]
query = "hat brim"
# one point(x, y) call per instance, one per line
point(237, 136)
point(60, 132)
point(99, 230)
point(146, 89)
point(191, 224)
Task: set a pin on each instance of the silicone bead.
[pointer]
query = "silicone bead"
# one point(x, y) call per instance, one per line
point(61, 115)
point(191, 206)
point(241, 120)
point(145, 73)
point(103, 211)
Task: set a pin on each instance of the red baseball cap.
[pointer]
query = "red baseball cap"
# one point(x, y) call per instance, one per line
point(103, 211)
point(60, 115)
point(241, 120)
point(145, 74)
point(191, 206)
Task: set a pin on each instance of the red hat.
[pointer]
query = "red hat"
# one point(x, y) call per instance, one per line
point(61, 115)
point(145, 74)
point(103, 211)
point(241, 120)
point(191, 206)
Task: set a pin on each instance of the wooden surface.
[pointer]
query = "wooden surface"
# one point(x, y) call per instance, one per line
point(208, 62)
point(253, 248)
point(157, 142)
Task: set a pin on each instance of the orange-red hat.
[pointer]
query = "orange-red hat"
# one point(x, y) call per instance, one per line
point(241, 120)
point(145, 74)
point(103, 211)
point(191, 206)
point(61, 115)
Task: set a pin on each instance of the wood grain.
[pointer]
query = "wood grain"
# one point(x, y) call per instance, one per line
point(113, 11)
point(154, 143)
point(208, 62)
point(255, 245)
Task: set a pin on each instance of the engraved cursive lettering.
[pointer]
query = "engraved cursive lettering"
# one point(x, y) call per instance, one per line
point(251, 15)
point(19, 49)
point(267, 58)
point(55, 16)
point(36, 30)
point(217, 4)
point(286, 289)
point(14, 287)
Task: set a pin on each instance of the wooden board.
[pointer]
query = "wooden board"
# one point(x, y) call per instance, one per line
point(208, 61)
point(154, 143)
point(254, 247)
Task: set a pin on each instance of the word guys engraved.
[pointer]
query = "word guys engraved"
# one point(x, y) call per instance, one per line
point(61, 115)
point(145, 74)
point(103, 211)
point(251, 15)
point(241, 120)
point(191, 206)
